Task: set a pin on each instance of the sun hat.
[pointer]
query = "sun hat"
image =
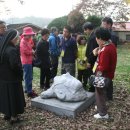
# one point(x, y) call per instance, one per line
point(28, 31)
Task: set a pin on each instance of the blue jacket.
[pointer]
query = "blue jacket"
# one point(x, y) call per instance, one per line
point(69, 47)
point(54, 45)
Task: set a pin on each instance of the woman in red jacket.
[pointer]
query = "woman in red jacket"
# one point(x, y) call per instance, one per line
point(27, 52)
point(106, 65)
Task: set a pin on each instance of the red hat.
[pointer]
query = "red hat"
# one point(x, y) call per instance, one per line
point(28, 31)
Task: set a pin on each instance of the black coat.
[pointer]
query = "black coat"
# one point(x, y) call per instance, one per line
point(92, 44)
point(42, 53)
point(114, 38)
point(11, 67)
point(12, 101)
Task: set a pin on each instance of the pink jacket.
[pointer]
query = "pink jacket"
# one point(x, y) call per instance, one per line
point(26, 51)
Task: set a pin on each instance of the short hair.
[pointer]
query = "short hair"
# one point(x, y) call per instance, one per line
point(44, 31)
point(108, 20)
point(2, 22)
point(80, 37)
point(103, 33)
point(88, 25)
point(54, 29)
point(68, 28)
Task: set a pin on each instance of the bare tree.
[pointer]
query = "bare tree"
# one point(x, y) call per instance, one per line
point(21, 1)
point(76, 20)
point(118, 9)
point(5, 9)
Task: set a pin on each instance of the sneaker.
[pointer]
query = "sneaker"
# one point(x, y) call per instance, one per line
point(97, 116)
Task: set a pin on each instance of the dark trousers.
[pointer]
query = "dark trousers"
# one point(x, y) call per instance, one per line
point(45, 75)
point(101, 101)
point(54, 66)
point(89, 73)
point(82, 76)
point(109, 91)
point(68, 67)
point(103, 94)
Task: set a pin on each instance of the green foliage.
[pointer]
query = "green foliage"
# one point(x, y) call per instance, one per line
point(76, 20)
point(96, 20)
point(122, 75)
point(59, 23)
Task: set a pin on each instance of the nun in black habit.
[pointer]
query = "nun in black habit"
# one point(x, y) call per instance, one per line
point(12, 101)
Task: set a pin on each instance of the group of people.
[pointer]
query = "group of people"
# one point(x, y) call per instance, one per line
point(94, 52)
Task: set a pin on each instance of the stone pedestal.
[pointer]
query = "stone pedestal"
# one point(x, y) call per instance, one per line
point(70, 109)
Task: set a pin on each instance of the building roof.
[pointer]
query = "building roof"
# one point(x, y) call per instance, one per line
point(121, 26)
point(20, 26)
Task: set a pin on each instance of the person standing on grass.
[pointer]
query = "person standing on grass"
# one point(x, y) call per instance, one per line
point(27, 52)
point(82, 60)
point(54, 51)
point(68, 52)
point(12, 101)
point(107, 23)
point(91, 45)
point(106, 65)
point(42, 53)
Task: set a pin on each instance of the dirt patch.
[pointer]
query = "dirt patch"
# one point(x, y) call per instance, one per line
point(36, 119)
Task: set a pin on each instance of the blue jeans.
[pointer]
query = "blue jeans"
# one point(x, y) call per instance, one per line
point(28, 73)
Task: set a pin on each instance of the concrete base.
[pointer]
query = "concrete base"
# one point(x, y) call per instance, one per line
point(70, 109)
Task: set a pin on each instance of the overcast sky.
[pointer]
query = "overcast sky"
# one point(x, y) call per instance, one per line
point(39, 8)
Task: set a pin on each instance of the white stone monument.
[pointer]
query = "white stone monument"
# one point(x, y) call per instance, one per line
point(66, 88)
point(66, 97)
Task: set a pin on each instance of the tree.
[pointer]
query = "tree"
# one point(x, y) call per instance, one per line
point(95, 20)
point(59, 23)
point(118, 10)
point(76, 20)
point(21, 2)
point(6, 10)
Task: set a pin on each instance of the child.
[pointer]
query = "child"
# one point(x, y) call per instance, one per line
point(82, 60)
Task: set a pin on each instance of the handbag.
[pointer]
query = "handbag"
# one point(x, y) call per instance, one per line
point(99, 81)
point(37, 62)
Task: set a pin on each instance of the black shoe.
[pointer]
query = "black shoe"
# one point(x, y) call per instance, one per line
point(41, 86)
point(14, 121)
point(6, 118)
point(46, 87)
point(25, 91)
point(32, 94)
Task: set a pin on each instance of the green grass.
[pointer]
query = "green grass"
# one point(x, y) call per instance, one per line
point(122, 75)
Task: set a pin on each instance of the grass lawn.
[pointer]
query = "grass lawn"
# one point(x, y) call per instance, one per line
point(122, 75)
point(119, 109)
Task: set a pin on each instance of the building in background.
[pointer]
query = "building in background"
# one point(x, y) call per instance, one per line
point(122, 29)
point(20, 27)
